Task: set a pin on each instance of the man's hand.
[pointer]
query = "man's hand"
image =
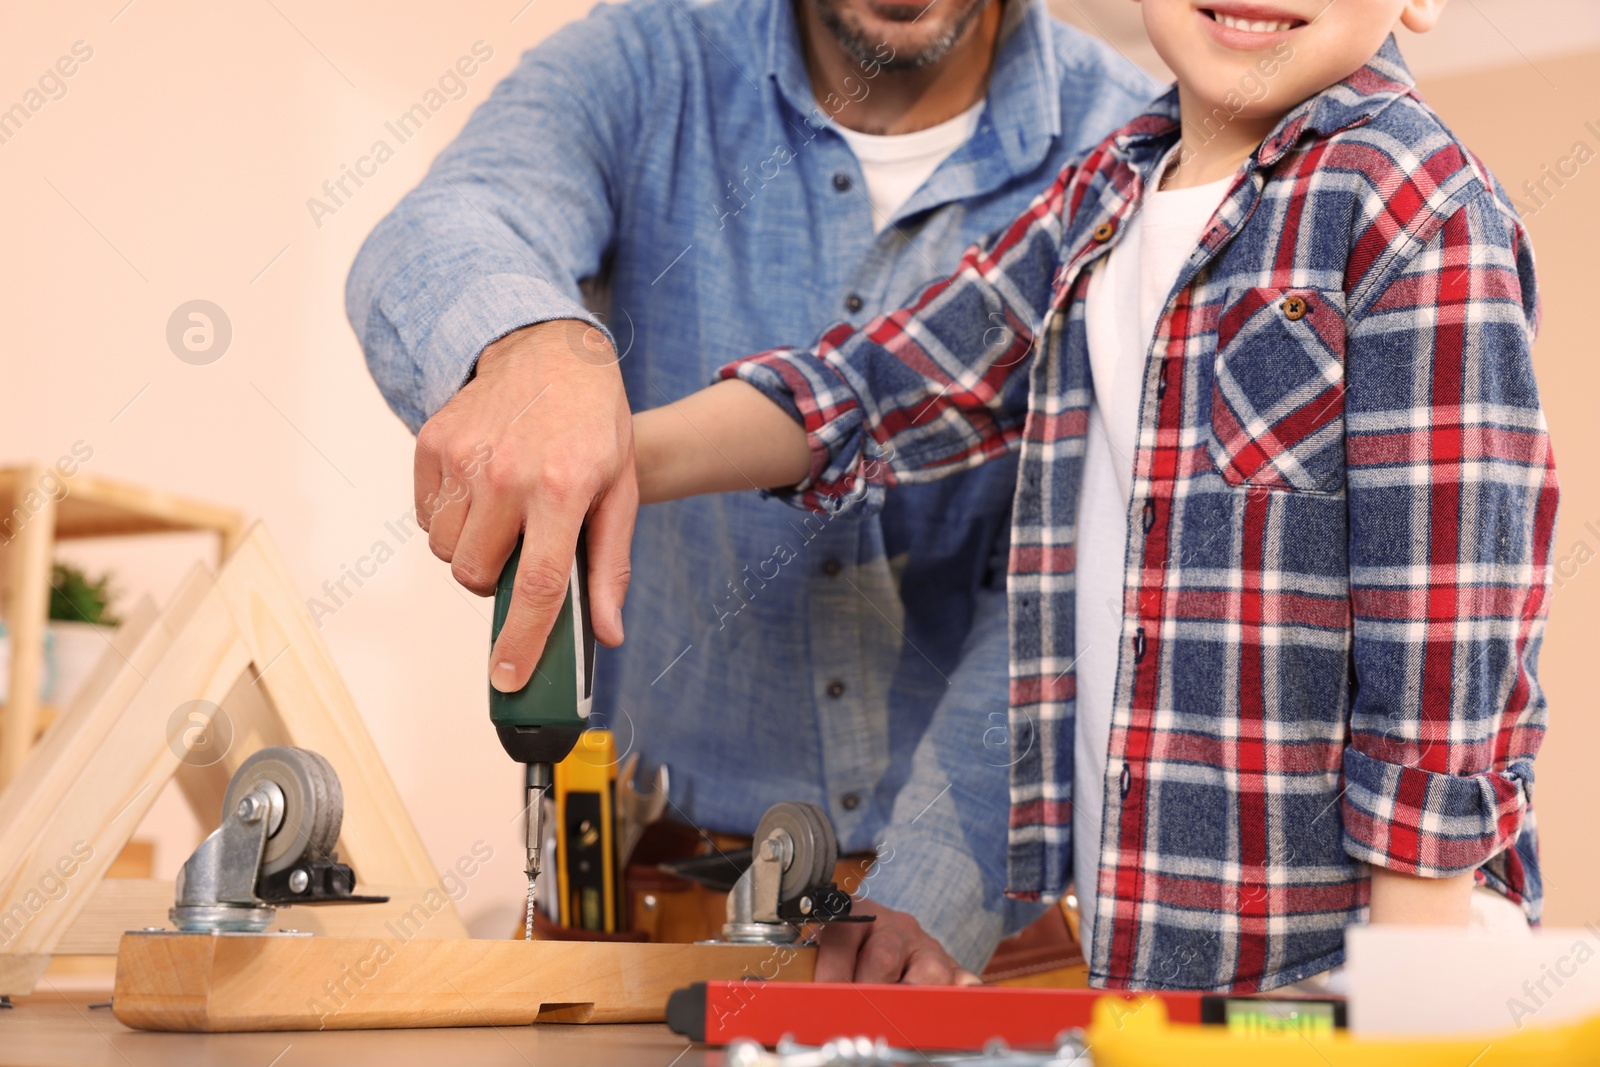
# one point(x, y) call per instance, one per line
point(893, 948)
point(540, 441)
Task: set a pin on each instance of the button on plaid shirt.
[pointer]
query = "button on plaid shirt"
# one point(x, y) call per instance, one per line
point(1338, 542)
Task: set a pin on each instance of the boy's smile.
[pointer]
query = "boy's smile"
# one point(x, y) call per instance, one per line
point(1249, 26)
point(1242, 64)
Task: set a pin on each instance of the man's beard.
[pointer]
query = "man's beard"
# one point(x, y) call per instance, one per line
point(868, 52)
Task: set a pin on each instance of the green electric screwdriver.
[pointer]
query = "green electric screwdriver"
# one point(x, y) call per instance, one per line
point(540, 723)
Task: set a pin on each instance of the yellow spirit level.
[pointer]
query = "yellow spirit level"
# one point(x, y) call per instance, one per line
point(586, 842)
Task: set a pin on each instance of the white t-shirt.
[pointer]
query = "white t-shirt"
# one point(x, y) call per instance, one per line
point(1127, 294)
point(896, 166)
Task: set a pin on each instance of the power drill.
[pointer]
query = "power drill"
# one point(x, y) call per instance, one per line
point(540, 723)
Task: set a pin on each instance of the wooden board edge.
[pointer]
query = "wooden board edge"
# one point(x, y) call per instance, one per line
point(205, 984)
point(170, 985)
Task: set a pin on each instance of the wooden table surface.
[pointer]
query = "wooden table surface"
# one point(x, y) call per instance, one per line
point(58, 1029)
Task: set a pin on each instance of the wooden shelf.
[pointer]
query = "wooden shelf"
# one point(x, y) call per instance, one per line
point(100, 507)
point(40, 505)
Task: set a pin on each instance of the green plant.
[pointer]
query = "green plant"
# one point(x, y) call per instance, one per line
point(75, 597)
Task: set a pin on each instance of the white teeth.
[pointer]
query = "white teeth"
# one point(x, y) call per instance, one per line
point(1257, 26)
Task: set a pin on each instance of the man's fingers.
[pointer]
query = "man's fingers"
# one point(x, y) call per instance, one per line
point(610, 542)
point(837, 947)
point(441, 496)
point(543, 573)
point(894, 948)
point(446, 518)
point(426, 465)
point(883, 956)
point(486, 541)
point(931, 965)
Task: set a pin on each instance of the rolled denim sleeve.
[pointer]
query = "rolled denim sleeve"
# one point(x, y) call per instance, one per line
point(1452, 503)
point(943, 855)
point(511, 217)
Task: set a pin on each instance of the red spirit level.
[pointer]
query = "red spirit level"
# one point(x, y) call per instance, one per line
point(952, 1017)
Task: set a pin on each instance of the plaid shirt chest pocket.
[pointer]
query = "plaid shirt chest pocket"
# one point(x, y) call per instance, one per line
point(1277, 393)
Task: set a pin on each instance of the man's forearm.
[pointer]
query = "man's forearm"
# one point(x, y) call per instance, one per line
point(1406, 899)
point(722, 439)
point(499, 235)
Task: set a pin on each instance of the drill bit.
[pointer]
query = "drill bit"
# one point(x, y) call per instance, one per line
point(539, 775)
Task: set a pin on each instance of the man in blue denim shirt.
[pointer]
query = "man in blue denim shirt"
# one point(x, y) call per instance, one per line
point(655, 190)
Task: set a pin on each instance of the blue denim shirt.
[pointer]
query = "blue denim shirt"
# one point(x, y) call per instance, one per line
point(666, 164)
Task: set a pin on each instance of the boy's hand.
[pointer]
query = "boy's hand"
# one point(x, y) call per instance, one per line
point(892, 948)
point(1407, 900)
point(540, 441)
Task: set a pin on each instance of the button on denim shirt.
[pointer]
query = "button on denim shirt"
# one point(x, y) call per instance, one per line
point(669, 161)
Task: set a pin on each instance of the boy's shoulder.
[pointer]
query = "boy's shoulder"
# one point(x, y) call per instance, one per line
point(1407, 177)
point(1403, 162)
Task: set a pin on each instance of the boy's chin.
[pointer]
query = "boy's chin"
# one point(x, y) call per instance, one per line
point(1240, 97)
point(1229, 104)
point(1241, 87)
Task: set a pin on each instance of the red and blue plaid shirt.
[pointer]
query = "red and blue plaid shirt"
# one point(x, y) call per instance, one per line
point(1338, 543)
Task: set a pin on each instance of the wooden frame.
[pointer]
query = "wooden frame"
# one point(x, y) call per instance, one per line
point(40, 505)
point(201, 983)
point(235, 663)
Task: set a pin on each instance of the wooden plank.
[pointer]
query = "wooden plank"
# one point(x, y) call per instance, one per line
point(138, 622)
point(119, 905)
point(111, 791)
point(32, 544)
point(299, 677)
point(201, 983)
point(32, 800)
point(253, 723)
point(102, 507)
point(240, 652)
point(116, 906)
point(27, 803)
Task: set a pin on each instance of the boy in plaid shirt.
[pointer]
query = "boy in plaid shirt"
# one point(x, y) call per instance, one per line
point(1281, 535)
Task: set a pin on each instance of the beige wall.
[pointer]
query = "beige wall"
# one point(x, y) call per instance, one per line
point(178, 166)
